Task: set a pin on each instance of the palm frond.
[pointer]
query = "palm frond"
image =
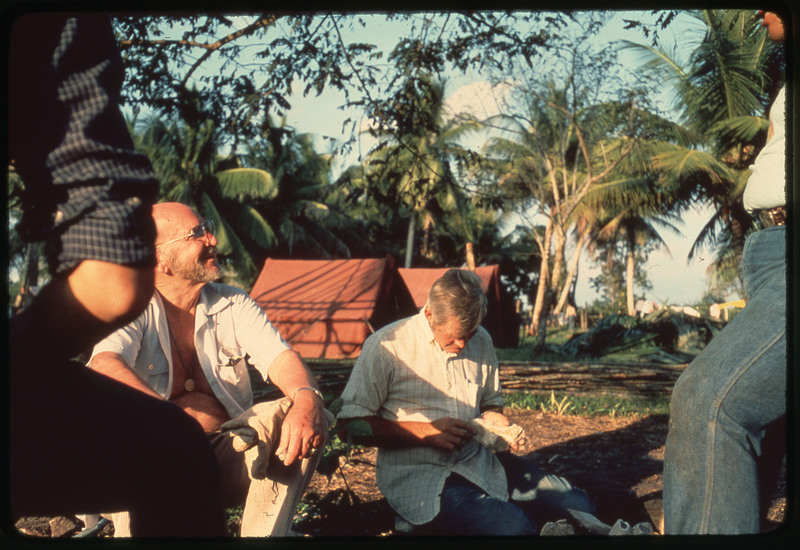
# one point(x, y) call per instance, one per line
point(243, 183)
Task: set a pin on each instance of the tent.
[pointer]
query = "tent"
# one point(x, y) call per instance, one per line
point(327, 308)
point(502, 321)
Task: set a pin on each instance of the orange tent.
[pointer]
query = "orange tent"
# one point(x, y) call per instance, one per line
point(327, 308)
point(502, 321)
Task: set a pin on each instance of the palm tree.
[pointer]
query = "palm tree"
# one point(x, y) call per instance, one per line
point(722, 93)
point(561, 148)
point(300, 214)
point(412, 163)
point(185, 160)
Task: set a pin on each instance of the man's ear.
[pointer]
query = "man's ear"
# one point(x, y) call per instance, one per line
point(161, 265)
point(428, 315)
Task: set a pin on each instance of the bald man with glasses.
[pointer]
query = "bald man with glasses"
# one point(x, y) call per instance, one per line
point(189, 347)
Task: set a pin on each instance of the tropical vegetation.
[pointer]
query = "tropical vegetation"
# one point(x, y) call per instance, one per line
point(582, 160)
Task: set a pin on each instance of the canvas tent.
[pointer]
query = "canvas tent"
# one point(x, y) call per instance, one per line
point(502, 321)
point(327, 308)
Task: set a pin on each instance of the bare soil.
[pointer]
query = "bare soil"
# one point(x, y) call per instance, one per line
point(617, 460)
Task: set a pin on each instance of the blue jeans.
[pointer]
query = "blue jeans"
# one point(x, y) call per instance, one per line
point(726, 402)
point(535, 498)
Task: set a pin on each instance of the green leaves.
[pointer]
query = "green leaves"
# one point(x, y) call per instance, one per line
point(245, 183)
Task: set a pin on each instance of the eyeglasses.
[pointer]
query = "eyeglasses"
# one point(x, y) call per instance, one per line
point(198, 232)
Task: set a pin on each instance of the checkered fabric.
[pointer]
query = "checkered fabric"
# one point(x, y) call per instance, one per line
point(88, 193)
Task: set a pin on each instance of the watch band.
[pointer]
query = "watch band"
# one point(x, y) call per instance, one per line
point(308, 388)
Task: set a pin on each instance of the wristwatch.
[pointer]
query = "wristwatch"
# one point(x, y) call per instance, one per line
point(308, 388)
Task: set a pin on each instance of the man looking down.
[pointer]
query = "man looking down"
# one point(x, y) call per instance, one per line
point(429, 387)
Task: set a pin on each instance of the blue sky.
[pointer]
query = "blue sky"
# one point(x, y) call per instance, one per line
point(675, 280)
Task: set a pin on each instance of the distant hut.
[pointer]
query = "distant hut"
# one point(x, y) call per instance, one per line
point(327, 308)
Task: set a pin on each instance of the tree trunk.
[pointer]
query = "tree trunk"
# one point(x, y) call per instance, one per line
point(629, 274)
point(541, 327)
point(572, 272)
point(31, 278)
point(410, 240)
point(558, 258)
point(544, 276)
point(471, 256)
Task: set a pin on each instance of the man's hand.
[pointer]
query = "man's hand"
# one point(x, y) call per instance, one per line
point(304, 430)
point(448, 433)
point(500, 420)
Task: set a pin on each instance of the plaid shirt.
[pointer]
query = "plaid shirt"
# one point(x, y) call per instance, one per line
point(403, 375)
point(87, 191)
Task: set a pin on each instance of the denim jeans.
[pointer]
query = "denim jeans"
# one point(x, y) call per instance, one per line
point(535, 498)
point(719, 451)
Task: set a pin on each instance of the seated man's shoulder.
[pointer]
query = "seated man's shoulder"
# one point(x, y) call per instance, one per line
point(394, 330)
point(228, 291)
point(483, 336)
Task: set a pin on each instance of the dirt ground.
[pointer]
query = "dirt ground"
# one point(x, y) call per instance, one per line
point(618, 461)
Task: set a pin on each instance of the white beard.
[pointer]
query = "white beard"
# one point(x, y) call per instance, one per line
point(193, 270)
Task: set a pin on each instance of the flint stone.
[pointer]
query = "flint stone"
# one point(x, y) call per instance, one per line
point(63, 527)
point(558, 528)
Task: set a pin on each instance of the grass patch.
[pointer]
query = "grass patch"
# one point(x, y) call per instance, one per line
point(594, 405)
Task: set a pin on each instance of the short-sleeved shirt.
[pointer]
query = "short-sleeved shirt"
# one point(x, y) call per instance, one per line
point(402, 374)
point(229, 327)
point(766, 186)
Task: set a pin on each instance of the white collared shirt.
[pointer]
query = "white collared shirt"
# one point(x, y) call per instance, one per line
point(402, 374)
point(229, 326)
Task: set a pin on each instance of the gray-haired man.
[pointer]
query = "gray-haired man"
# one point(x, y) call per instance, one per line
point(421, 383)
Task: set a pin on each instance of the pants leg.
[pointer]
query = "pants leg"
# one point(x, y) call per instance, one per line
point(466, 509)
point(80, 441)
point(271, 503)
point(544, 497)
point(723, 404)
point(534, 499)
point(234, 478)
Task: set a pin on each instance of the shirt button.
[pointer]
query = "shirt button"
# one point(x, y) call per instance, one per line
point(150, 367)
point(59, 216)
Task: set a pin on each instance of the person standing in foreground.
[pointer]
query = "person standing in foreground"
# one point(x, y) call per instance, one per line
point(727, 416)
point(421, 383)
point(88, 195)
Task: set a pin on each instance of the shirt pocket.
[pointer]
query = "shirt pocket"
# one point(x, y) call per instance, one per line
point(470, 397)
point(156, 374)
point(229, 357)
point(231, 365)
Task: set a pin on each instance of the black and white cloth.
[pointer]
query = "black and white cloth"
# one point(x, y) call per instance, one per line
point(87, 192)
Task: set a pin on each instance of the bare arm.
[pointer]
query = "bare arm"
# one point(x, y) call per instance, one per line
point(304, 427)
point(113, 366)
point(444, 433)
point(97, 298)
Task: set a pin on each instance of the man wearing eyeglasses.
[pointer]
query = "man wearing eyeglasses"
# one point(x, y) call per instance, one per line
point(189, 347)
